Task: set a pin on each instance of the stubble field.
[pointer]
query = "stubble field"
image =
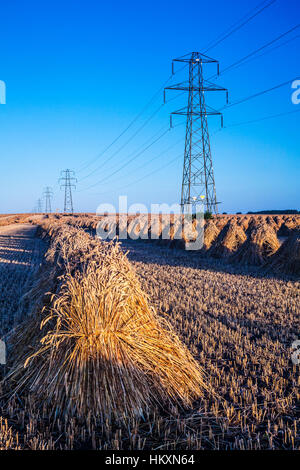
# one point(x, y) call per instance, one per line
point(235, 306)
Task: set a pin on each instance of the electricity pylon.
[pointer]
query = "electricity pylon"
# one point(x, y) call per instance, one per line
point(48, 194)
point(198, 176)
point(39, 206)
point(67, 182)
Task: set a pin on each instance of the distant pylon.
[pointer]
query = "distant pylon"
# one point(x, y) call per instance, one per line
point(39, 206)
point(67, 182)
point(48, 194)
point(198, 176)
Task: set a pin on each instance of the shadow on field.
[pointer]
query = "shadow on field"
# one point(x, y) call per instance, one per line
point(15, 237)
point(20, 256)
point(150, 252)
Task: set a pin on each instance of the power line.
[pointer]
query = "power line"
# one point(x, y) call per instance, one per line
point(100, 167)
point(271, 50)
point(238, 26)
point(180, 156)
point(272, 116)
point(154, 158)
point(143, 177)
point(143, 149)
point(247, 98)
point(248, 56)
point(127, 162)
point(160, 154)
point(219, 39)
point(154, 97)
point(241, 61)
point(131, 138)
point(233, 125)
point(230, 31)
point(157, 93)
point(251, 54)
point(128, 127)
point(225, 107)
point(122, 146)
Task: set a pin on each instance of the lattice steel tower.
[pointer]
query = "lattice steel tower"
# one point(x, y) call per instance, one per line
point(48, 194)
point(39, 206)
point(67, 182)
point(198, 175)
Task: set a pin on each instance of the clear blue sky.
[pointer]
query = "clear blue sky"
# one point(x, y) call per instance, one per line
point(77, 72)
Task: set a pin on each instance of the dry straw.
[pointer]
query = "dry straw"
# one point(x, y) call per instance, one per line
point(229, 240)
point(102, 349)
point(289, 225)
point(262, 243)
point(243, 222)
point(221, 221)
point(8, 439)
point(210, 234)
point(287, 258)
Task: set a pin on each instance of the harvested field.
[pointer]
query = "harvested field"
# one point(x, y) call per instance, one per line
point(250, 240)
point(102, 337)
point(17, 219)
point(235, 326)
point(240, 326)
point(20, 255)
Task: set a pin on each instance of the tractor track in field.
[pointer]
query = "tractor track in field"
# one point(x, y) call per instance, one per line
point(21, 252)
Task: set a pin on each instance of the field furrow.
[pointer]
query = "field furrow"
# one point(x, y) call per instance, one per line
point(20, 256)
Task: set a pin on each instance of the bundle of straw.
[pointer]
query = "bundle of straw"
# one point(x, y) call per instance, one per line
point(102, 348)
point(262, 242)
point(221, 221)
point(278, 219)
point(244, 222)
point(289, 225)
point(229, 240)
point(287, 258)
point(210, 234)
